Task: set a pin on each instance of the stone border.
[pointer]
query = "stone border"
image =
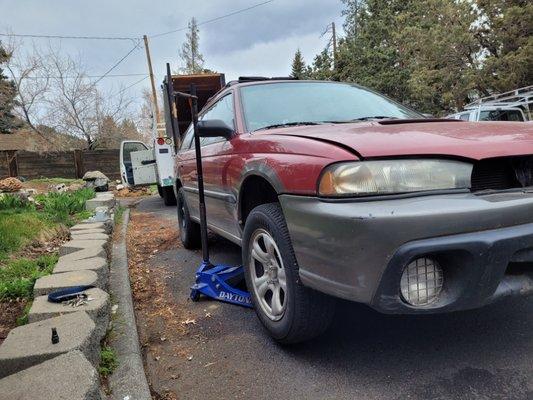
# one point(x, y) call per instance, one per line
point(29, 351)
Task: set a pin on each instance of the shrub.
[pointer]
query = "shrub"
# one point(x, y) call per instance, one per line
point(60, 206)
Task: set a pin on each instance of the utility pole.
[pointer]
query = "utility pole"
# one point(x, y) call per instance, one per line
point(151, 72)
point(334, 40)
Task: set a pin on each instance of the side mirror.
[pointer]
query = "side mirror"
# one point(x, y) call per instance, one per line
point(214, 128)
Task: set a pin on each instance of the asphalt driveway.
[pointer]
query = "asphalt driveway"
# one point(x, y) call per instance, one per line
point(223, 353)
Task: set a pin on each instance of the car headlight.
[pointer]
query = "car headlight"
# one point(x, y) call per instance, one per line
point(393, 176)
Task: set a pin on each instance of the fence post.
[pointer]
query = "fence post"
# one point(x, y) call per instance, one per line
point(12, 167)
point(78, 163)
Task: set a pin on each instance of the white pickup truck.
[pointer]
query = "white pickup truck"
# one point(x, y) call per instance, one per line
point(514, 105)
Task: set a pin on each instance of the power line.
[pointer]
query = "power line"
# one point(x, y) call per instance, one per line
point(75, 77)
point(127, 87)
point(213, 19)
point(68, 37)
point(136, 46)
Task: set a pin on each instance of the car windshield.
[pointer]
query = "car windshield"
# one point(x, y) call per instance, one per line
point(301, 103)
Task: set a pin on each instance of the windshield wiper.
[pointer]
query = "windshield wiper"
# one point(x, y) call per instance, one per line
point(362, 119)
point(298, 123)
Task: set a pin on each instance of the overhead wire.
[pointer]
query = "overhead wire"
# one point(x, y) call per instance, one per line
point(212, 20)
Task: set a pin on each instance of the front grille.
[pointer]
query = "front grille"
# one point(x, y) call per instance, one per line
point(502, 173)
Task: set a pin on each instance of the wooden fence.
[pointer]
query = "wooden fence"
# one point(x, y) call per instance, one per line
point(62, 164)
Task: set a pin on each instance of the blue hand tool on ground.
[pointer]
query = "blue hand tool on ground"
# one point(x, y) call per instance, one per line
point(214, 281)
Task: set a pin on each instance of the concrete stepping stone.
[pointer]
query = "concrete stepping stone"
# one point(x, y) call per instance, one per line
point(85, 231)
point(68, 376)
point(98, 309)
point(90, 252)
point(96, 264)
point(85, 225)
point(75, 245)
point(101, 200)
point(82, 235)
point(28, 345)
point(65, 280)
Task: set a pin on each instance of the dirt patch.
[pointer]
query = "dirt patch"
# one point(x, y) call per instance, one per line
point(47, 242)
point(159, 317)
point(9, 312)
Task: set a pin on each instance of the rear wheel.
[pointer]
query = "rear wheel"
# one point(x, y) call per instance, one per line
point(160, 190)
point(289, 311)
point(189, 230)
point(168, 196)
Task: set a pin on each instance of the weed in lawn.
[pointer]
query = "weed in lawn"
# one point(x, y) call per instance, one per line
point(23, 319)
point(108, 361)
point(119, 213)
point(17, 277)
point(60, 206)
point(11, 202)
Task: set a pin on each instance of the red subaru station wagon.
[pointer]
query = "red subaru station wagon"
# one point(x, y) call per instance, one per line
point(333, 190)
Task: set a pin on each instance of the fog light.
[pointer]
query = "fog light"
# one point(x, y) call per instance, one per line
point(421, 282)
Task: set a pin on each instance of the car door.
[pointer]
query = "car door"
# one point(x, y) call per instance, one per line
point(217, 197)
point(137, 166)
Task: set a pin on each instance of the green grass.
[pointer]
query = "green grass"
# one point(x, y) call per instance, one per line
point(17, 277)
point(23, 319)
point(17, 228)
point(22, 222)
point(108, 361)
point(59, 207)
point(57, 181)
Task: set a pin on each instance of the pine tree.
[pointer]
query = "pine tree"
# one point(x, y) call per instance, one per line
point(190, 55)
point(506, 36)
point(8, 121)
point(299, 69)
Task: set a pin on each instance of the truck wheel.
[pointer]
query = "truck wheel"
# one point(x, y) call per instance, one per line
point(189, 230)
point(168, 196)
point(289, 311)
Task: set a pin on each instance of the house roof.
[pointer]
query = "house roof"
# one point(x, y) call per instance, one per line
point(23, 139)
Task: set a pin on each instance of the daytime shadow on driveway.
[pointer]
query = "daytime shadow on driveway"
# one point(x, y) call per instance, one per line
point(210, 350)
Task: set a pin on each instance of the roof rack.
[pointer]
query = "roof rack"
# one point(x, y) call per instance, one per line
point(515, 97)
point(244, 79)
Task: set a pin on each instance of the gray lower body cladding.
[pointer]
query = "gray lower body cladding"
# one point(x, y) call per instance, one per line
point(357, 250)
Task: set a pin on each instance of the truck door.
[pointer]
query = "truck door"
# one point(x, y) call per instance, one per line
point(137, 164)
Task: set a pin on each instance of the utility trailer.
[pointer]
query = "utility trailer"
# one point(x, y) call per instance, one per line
point(141, 164)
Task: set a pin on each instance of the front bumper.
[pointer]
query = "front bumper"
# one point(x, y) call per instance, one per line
point(357, 249)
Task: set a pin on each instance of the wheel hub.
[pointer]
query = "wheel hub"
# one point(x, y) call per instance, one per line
point(268, 274)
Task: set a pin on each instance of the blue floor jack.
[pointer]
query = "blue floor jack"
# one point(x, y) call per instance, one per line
point(214, 281)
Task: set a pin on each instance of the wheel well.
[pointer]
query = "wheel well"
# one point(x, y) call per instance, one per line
point(255, 191)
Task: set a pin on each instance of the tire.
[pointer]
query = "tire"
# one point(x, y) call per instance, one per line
point(305, 313)
point(189, 230)
point(168, 196)
point(160, 190)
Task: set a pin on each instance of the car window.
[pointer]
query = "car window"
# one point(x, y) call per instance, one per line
point(130, 147)
point(187, 138)
point(464, 116)
point(500, 115)
point(223, 110)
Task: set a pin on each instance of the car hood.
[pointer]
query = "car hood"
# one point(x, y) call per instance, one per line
point(473, 140)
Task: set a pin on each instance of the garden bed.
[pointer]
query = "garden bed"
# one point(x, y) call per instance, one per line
point(31, 233)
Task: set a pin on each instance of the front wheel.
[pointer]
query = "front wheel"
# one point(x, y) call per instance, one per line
point(290, 312)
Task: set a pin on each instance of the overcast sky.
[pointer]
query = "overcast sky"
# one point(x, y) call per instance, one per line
point(260, 41)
